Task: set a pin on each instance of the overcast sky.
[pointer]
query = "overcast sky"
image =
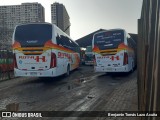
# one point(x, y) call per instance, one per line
point(87, 16)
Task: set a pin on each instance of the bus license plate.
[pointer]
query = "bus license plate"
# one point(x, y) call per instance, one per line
point(33, 73)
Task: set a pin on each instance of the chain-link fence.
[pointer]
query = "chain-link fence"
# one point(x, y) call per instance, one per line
point(6, 64)
point(149, 57)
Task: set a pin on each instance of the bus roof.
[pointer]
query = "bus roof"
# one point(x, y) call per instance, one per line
point(109, 30)
point(33, 23)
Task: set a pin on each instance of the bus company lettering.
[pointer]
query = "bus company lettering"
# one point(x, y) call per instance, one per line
point(102, 57)
point(26, 57)
point(64, 55)
point(111, 57)
point(43, 58)
point(37, 58)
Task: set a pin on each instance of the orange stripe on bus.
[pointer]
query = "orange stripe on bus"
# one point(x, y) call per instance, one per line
point(121, 47)
point(48, 45)
point(16, 45)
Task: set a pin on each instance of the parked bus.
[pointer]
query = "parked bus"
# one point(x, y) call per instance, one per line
point(88, 59)
point(43, 50)
point(82, 54)
point(114, 51)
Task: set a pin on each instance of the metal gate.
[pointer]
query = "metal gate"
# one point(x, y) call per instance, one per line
point(149, 57)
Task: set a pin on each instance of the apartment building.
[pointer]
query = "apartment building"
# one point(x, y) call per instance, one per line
point(60, 17)
point(12, 15)
point(16, 14)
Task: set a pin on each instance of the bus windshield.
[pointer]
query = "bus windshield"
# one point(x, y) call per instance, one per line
point(33, 35)
point(109, 39)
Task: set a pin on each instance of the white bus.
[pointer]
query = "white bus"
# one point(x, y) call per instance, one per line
point(88, 58)
point(114, 51)
point(43, 50)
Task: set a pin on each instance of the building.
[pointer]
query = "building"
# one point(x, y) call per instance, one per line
point(60, 17)
point(32, 12)
point(12, 15)
point(87, 40)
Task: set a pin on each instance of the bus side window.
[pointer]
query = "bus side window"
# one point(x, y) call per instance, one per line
point(65, 42)
point(128, 41)
point(133, 43)
point(75, 47)
point(60, 40)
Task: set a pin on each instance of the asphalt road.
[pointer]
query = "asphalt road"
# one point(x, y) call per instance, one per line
point(83, 90)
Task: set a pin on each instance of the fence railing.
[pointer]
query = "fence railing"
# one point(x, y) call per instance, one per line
point(149, 58)
point(6, 64)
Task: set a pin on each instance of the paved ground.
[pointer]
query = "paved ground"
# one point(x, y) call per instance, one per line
point(83, 90)
point(124, 98)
